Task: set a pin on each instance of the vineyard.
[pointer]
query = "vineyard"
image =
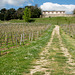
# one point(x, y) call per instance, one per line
point(69, 29)
point(43, 47)
point(20, 33)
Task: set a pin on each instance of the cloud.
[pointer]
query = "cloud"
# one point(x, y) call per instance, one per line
point(29, 4)
point(55, 6)
point(3, 3)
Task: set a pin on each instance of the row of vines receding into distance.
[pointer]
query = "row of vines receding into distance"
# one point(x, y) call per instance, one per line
point(20, 33)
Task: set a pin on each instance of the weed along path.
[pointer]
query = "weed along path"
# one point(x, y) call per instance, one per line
point(54, 59)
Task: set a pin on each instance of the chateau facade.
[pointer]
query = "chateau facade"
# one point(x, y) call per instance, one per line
point(53, 12)
point(56, 14)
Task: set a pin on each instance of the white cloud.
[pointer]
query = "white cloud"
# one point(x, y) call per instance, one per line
point(29, 4)
point(3, 3)
point(58, 7)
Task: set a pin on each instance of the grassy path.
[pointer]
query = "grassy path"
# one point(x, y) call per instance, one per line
point(55, 59)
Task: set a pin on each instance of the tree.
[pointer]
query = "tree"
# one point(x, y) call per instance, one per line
point(2, 13)
point(36, 6)
point(26, 15)
point(20, 13)
point(35, 11)
point(7, 15)
point(2, 16)
point(10, 14)
point(3, 10)
point(74, 11)
point(29, 13)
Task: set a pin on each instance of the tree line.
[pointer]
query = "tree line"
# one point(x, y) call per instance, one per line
point(74, 11)
point(11, 13)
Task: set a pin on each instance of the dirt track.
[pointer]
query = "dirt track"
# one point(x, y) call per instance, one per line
point(43, 61)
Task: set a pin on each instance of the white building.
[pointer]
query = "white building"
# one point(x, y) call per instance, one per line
point(53, 12)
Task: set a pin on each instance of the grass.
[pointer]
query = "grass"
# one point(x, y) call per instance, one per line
point(56, 20)
point(53, 20)
point(39, 73)
point(19, 60)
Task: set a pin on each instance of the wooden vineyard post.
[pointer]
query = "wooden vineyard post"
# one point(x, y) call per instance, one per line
point(21, 40)
point(0, 42)
point(12, 38)
point(40, 32)
point(16, 38)
point(73, 30)
point(0, 45)
point(69, 28)
point(0, 52)
point(1, 39)
point(6, 38)
point(65, 28)
point(23, 33)
point(37, 34)
point(29, 36)
point(32, 37)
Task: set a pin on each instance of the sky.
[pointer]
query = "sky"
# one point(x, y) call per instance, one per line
point(49, 5)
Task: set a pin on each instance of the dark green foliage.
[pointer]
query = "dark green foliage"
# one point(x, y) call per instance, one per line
point(11, 14)
point(3, 10)
point(7, 14)
point(1, 16)
point(19, 13)
point(74, 11)
point(34, 12)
